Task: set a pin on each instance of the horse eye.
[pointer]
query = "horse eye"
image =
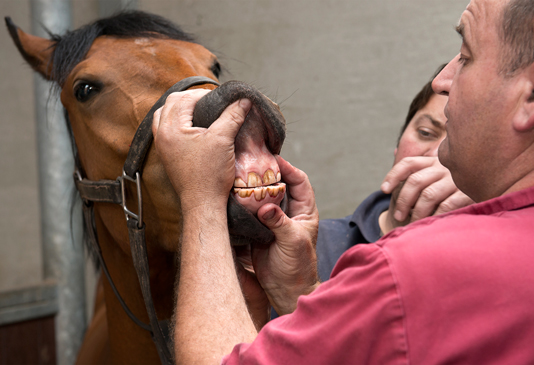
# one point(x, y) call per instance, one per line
point(85, 91)
point(216, 69)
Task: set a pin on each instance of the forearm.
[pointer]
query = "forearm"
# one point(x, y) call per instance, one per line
point(211, 314)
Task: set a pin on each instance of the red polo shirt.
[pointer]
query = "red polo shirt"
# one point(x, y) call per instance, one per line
point(453, 289)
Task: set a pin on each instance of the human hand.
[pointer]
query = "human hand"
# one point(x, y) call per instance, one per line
point(200, 162)
point(426, 189)
point(287, 268)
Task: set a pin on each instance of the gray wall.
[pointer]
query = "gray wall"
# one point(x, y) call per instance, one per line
point(343, 72)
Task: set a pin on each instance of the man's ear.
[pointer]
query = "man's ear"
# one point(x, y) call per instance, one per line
point(524, 118)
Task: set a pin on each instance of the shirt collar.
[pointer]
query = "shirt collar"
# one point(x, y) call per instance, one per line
point(367, 213)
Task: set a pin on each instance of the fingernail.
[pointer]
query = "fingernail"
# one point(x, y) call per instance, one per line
point(385, 186)
point(269, 214)
point(245, 104)
point(398, 215)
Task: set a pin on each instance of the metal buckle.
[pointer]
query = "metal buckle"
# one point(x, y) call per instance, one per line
point(128, 213)
point(77, 175)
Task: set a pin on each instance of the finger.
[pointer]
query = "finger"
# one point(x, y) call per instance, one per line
point(455, 201)
point(231, 119)
point(431, 197)
point(413, 188)
point(155, 122)
point(297, 180)
point(299, 186)
point(404, 168)
point(276, 220)
point(291, 174)
point(179, 106)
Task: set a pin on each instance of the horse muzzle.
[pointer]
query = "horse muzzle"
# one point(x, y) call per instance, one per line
point(258, 180)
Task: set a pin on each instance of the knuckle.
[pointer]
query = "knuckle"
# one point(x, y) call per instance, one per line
point(401, 202)
point(173, 97)
point(415, 179)
point(279, 221)
point(429, 194)
point(234, 114)
point(445, 206)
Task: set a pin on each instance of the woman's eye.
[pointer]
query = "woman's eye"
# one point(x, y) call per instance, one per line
point(426, 134)
point(84, 91)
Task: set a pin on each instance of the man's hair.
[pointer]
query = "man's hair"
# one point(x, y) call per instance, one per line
point(517, 36)
point(420, 101)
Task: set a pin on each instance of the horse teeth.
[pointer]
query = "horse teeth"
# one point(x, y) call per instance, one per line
point(278, 176)
point(268, 177)
point(253, 180)
point(273, 190)
point(244, 193)
point(258, 194)
point(261, 192)
point(239, 183)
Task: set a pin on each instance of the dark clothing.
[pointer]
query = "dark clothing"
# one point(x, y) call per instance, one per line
point(338, 235)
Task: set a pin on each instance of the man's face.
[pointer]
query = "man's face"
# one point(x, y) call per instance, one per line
point(425, 131)
point(480, 102)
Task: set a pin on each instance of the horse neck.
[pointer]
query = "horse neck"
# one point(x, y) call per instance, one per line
point(130, 343)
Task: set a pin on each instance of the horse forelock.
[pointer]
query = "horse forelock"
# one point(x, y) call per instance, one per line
point(73, 46)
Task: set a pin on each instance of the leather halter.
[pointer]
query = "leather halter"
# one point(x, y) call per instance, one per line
point(113, 191)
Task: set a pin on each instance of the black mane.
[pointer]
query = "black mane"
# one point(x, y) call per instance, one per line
point(72, 47)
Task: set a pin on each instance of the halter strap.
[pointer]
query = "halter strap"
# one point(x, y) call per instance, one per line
point(143, 137)
point(113, 191)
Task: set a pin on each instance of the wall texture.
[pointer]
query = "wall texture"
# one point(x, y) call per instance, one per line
point(344, 73)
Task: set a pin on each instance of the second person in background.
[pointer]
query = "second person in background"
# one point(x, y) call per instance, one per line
point(416, 187)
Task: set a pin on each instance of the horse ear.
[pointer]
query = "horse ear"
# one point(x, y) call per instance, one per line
point(36, 51)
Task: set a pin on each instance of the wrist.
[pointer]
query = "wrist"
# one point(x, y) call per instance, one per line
point(194, 203)
point(284, 301)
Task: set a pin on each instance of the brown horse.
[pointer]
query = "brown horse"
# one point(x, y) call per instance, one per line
point(111, 73)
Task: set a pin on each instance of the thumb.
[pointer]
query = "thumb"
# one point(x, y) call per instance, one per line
point(276, 220)
point(232, 118)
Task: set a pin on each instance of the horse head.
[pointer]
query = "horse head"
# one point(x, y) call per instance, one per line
point(111, 73)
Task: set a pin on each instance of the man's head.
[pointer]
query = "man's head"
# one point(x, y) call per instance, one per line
point(490, 130)
point(517, 36)
point(424, 127)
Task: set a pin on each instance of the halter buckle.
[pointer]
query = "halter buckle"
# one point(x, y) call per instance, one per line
point(127, 212)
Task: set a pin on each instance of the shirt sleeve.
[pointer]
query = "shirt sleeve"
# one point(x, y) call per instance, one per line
point(356, 317)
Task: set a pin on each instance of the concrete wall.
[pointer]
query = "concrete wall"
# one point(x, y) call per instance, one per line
point(344, 73)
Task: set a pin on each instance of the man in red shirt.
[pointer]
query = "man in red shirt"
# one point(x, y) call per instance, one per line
point(455, 288)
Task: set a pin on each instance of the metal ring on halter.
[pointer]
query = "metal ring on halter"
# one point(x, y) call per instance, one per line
point(128, 213)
